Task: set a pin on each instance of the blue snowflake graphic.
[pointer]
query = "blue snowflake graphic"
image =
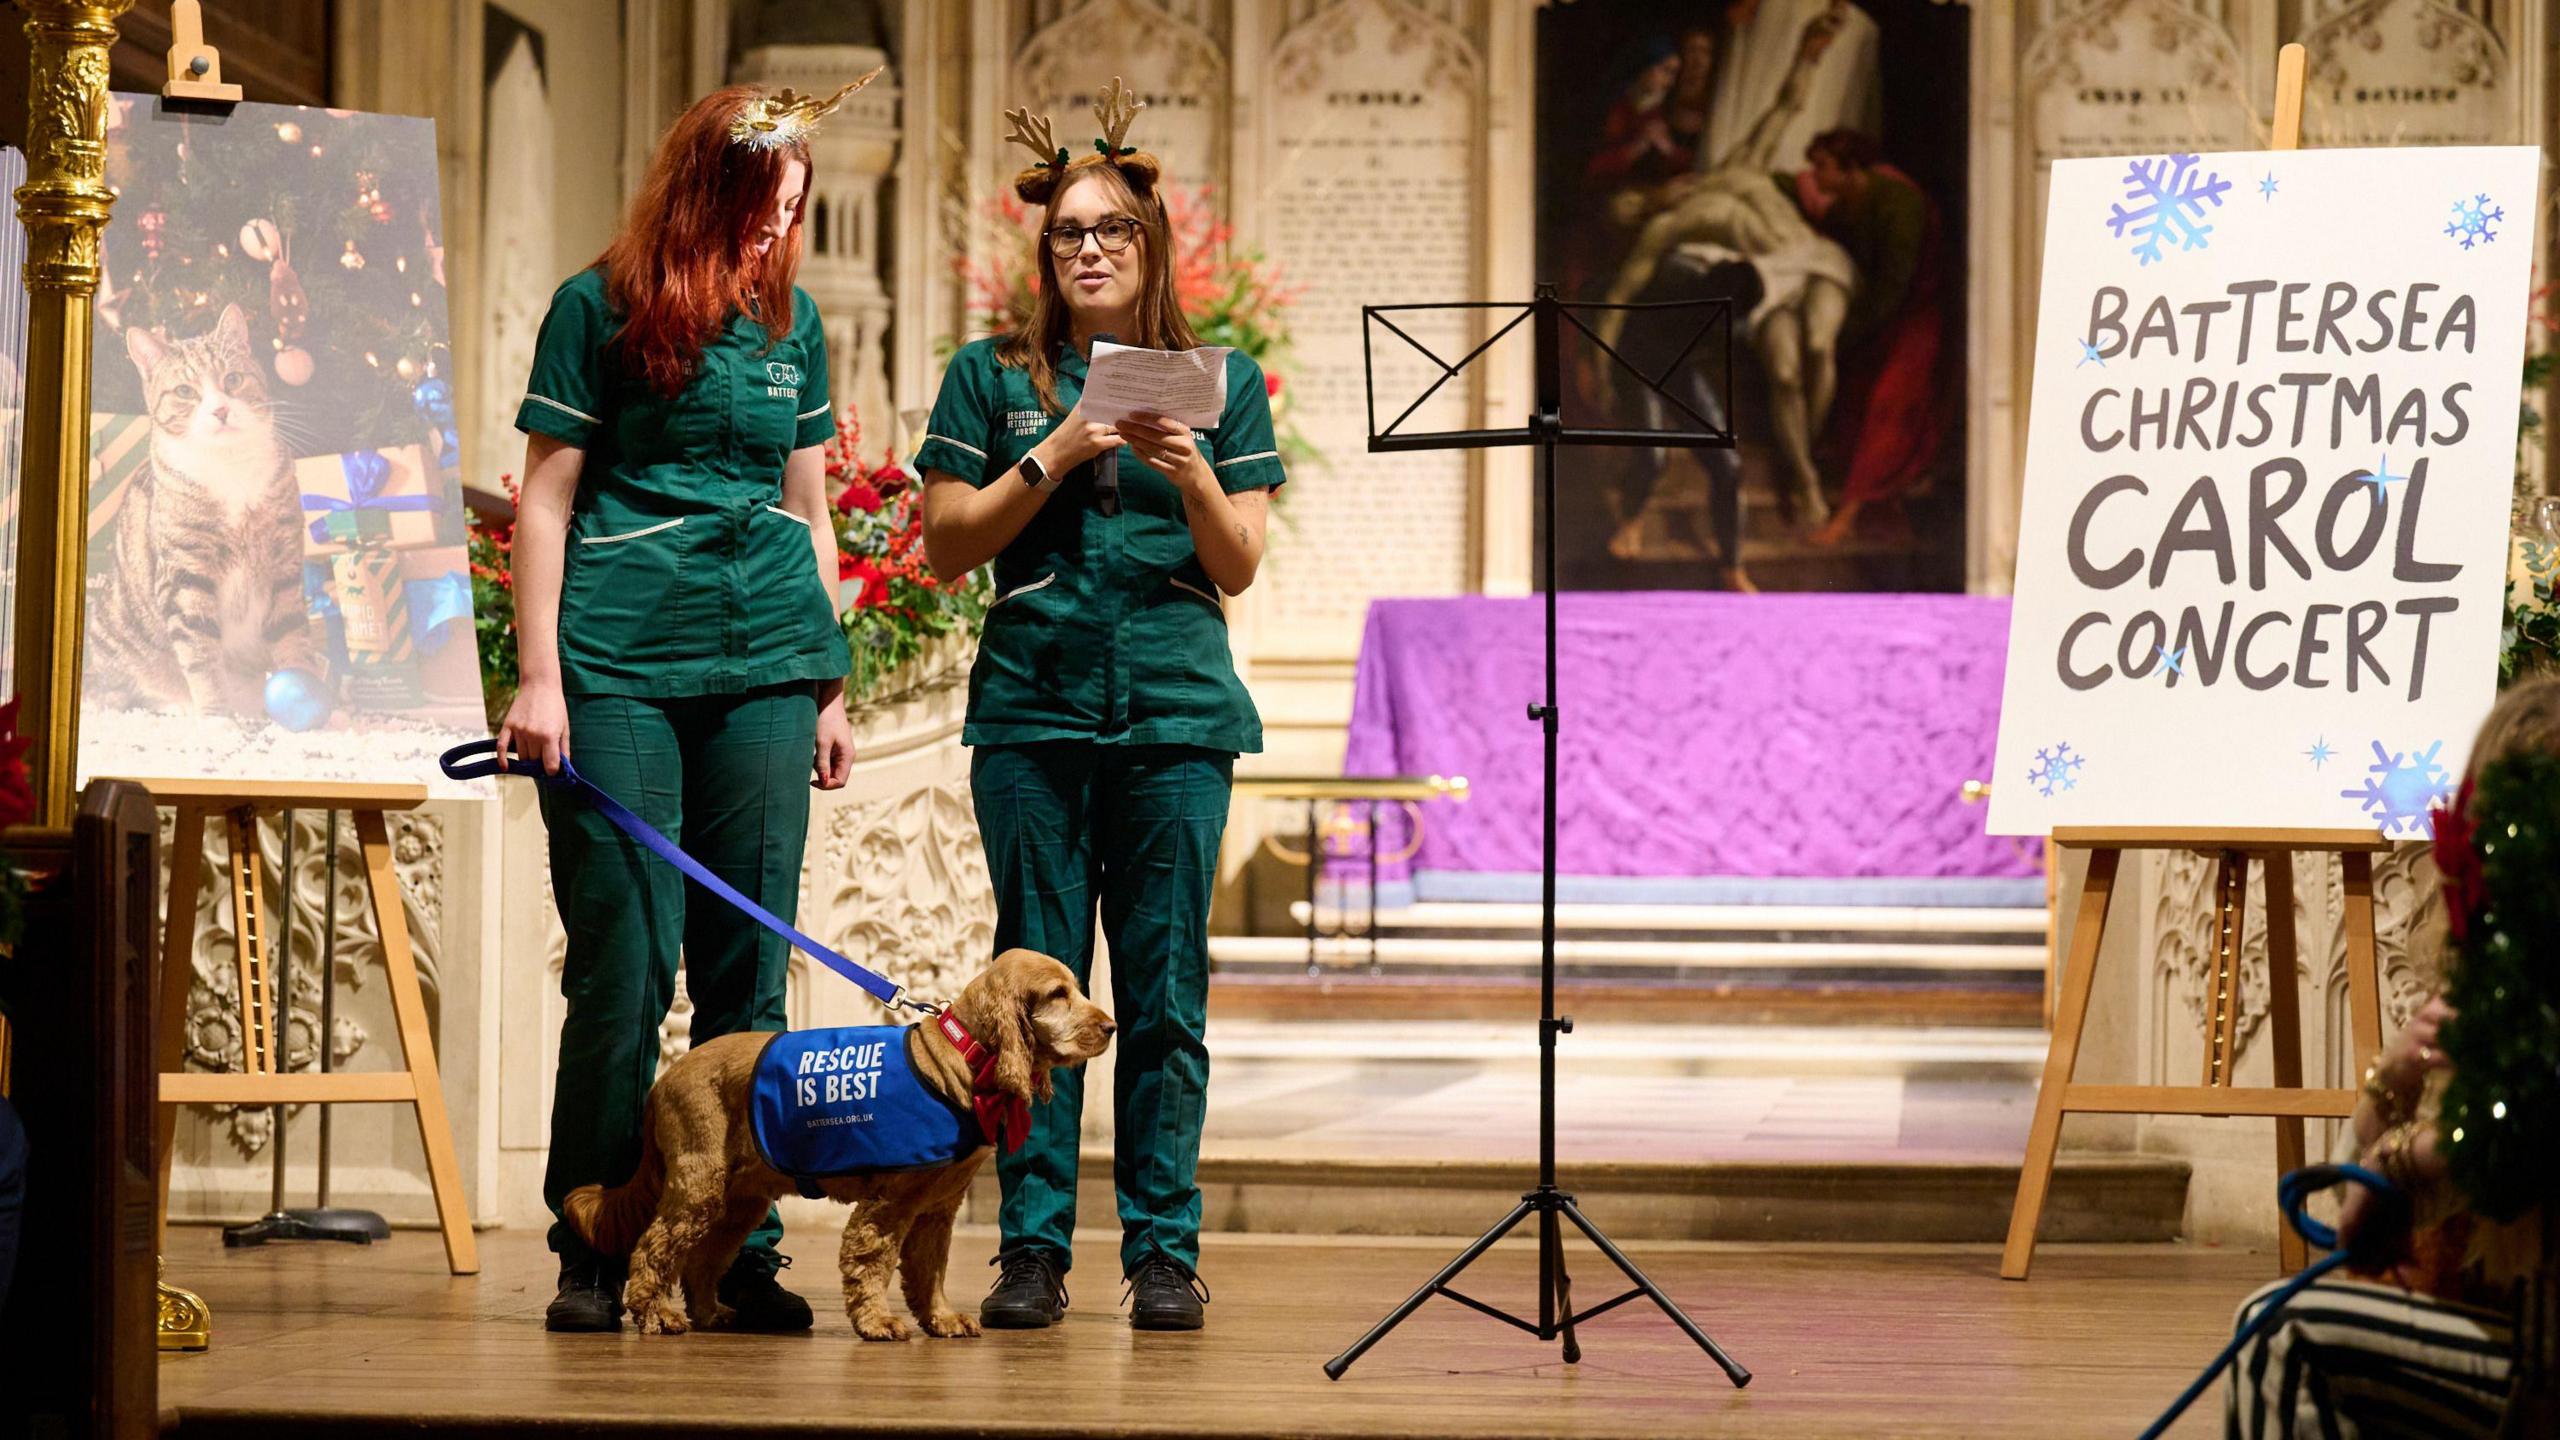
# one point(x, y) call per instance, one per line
point(2170, 197)
point(2400, 788)
point(2471, 221)
point(2320, 753)
point(2056, 769)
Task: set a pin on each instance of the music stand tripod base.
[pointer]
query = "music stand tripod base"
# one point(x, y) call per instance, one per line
point(356, 1227)
point(1546, 430)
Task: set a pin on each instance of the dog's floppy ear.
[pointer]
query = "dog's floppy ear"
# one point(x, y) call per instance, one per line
point(996, 1008)
point(1018, 1069)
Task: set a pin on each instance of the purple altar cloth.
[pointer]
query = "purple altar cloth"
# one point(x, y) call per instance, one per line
point(1770, 738)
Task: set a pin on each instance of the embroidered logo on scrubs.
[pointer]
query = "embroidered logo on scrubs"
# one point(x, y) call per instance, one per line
point(1024, 422)
point(785, 378)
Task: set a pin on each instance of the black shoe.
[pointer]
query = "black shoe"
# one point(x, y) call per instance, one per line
point(754, 1290)
point(590, 1299)
point(1164, 1294)
point(1030, 1293)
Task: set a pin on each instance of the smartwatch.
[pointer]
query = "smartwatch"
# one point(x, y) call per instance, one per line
point(1036, 475)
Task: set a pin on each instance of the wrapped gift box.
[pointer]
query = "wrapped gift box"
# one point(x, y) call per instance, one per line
point(437, 586)
point(375, 498)
point(119, 449)
point(372, 596)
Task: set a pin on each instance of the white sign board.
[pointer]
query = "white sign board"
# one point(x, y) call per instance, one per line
point(2262, 553)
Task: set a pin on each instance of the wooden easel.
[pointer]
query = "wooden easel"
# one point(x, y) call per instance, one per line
point(2215, 1094)
point(262, 1078)
point(2287, 1100)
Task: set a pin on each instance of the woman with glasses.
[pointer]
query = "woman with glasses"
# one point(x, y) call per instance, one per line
point(1104, 709)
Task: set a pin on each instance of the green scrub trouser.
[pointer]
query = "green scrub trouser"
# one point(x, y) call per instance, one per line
point(1068, 825)
point(727, 778)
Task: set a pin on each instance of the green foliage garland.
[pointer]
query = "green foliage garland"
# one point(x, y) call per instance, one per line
point(2501, 1115)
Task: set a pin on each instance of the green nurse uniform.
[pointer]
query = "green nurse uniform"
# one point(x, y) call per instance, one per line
point(1106, 715)
point(693, 628)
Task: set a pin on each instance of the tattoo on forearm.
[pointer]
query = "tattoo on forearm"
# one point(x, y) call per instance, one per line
point(1244, 537)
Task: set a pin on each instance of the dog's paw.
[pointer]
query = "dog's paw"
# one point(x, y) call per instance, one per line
point(659, 1319)
point(882, 1326)
point(951, 1325)
point(716, 1317)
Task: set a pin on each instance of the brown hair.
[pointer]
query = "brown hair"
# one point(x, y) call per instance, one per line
point(2525, 721)
point(1033, 347)
point(678, 268)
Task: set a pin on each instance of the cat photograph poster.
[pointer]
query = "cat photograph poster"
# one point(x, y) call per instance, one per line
point(279, 584)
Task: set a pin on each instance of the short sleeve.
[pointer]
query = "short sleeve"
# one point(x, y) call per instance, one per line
point(564, 395)
point(960, 435)
point(1248, 452)
point(817, 421)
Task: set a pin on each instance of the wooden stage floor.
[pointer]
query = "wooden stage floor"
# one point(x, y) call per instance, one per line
point(1844, 1341)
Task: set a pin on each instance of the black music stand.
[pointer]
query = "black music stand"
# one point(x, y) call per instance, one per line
point(1546, 430)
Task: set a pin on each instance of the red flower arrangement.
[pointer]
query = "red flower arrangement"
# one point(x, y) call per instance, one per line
point(893, 606)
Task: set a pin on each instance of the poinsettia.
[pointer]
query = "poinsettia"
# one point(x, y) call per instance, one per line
point(892, 605)
point(17, 787)
point(17, 806)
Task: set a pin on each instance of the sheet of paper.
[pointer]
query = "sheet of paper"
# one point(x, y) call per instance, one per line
point(1185, 385)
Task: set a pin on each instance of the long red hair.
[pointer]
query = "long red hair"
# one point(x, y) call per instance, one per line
point(679, 267)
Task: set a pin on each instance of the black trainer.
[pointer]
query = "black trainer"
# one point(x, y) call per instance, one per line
point(1165, 1294)
point(590, 1299)
point(753, 1288)
point(1030, 1293)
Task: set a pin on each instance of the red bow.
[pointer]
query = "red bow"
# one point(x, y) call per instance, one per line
point(1002, 1117)
point(2466, 888)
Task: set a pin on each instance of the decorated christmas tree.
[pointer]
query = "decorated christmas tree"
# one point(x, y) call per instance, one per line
point(323, 232)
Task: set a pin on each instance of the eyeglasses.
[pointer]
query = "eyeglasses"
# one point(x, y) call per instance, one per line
point(1113, 235)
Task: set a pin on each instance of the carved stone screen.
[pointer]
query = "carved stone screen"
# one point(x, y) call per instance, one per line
point(1371, 201)
point(2405, 72)
point(1171, 65)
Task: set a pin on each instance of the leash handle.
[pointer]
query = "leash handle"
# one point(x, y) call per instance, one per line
point(480, 757)
point(2293, 1193)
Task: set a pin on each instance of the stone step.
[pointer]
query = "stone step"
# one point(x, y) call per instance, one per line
point(1346, 991)
point(2094, 1198)
point(2017, 924)
point(1500, 953)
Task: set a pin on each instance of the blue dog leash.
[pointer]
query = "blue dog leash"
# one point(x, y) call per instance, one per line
point(2293, 1192)
point(480, 757)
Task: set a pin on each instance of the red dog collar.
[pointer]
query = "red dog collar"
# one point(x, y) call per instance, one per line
point(1005, 1119)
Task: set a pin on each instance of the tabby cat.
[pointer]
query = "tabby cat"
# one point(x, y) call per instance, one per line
point(204, 597)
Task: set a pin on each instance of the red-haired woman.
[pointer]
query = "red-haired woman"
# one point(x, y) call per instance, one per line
point(676, 622)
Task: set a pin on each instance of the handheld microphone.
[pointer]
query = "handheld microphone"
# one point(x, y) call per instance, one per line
point(1106, 469)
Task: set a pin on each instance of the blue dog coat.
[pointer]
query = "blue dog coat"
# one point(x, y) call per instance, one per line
point(848, 1101)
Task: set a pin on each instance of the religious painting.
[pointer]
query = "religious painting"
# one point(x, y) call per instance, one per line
point(278, 586)
point(1765, 152)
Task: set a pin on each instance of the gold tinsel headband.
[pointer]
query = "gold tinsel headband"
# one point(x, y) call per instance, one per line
point(787, 117)
point(1117, 107)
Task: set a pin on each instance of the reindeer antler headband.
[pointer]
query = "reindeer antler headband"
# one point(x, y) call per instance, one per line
point(787, 117)
point(1115, 109)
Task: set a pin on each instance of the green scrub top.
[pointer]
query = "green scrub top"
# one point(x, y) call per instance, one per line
point(684, 574)
point(1105, 628)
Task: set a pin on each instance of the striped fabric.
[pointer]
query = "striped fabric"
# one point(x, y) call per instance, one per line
point(2357, 1361)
